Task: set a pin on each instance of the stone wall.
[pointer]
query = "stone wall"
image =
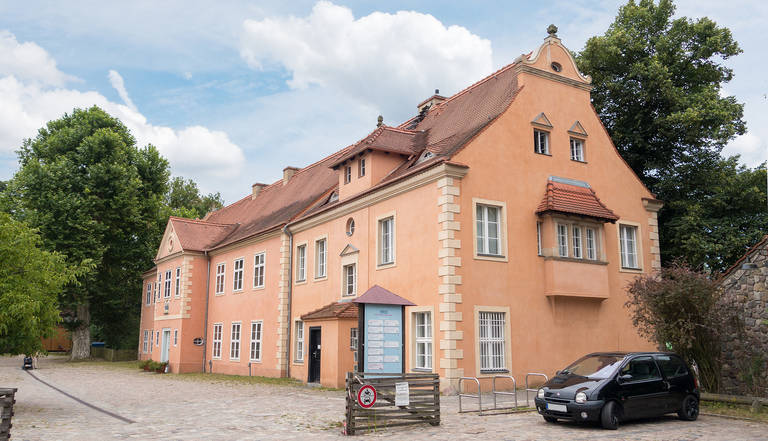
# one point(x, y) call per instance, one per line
point(745, 290)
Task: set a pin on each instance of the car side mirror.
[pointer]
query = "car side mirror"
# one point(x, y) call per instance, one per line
point(625, 377)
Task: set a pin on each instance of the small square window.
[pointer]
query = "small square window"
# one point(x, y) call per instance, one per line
point(347, 175)
point(361, 167)
point(577, 150)
point(540, 142)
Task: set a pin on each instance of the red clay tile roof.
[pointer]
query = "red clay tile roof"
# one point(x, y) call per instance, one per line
point(386, 139)
point(377, 294)
point(196, 235)
point(333, 310)
point(574, 198)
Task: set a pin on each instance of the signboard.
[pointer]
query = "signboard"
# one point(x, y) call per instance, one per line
point(383, 338)
point(366, 396)
point(402, 394)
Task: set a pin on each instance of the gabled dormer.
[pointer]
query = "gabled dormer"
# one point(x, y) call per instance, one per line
point(368, 162)
point(552, 61)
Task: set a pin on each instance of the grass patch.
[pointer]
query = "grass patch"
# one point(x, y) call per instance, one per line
point(734, 410)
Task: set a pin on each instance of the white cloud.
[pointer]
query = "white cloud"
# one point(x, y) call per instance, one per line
point(116, 80)
point(391, 61)
point(32, 96)
point(753, 150)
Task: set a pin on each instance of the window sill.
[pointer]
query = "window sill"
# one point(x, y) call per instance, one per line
point(422, 370)
point(579, 161)
point(576, 260)
point(494, 371)
point(321, 279)
point(218, 294)
point(300, 282)
point(543, 154)
point(258, 288)
point(383, 266)
point(491, 257)
point(298, 363)
point(254, 361)
point(625, 269)
point(239, 291)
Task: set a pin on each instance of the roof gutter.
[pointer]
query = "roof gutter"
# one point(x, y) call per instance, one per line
point(205, 321)
point(290, 303)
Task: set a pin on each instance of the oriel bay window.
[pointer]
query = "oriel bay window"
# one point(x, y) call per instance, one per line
point(577, 239)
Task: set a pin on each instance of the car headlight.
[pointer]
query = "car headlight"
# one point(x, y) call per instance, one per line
point(581, 397)
point(540, 394)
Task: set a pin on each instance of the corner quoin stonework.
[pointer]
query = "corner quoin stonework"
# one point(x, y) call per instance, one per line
point(652, 206)
point(450, 262)
point(283, 319)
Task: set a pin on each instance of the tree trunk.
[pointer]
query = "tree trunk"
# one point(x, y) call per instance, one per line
point(81, 336)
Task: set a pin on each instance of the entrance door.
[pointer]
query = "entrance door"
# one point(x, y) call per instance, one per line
point(314, 355)
point(166, 345)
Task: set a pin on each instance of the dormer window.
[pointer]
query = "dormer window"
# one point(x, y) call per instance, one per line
point(541, 142)
point(361, 167)
point(347, 175)
point(424, 156)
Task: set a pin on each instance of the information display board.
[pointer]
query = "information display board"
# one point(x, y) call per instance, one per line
point(383, 333)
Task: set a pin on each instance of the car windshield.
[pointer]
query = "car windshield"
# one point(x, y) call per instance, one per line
point(594, 366)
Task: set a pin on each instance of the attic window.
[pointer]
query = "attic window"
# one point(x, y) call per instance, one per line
point(425, 156)
point(350, 226)
point(556, 67)
point(334, 197)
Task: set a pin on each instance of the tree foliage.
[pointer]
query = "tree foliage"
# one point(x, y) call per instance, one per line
point(30, 282)
point(658, 90)
point(183, 199)
point(95, 197)
point(678, 309)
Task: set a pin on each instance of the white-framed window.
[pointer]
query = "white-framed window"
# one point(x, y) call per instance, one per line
point(159, 285)
point(157, 338)
point(577, 242)
point(234, 342)
point(167, 293)
point(149, 293)
point(577, 149)
point(256, 340)
point(151, 339)
point(541, 142)
point(178, 281)
point(299, 342)
point(216, 348)
point(350, 279)
point(538, 238)
point(347, 175)
point(562, 240)
point(321, 256)
point(423, 324)
point(387, 241)
point(259, 262)
point(237, 275)
point(361, 167)
point(591, 241)
point(220, 277)
point(145, 341)
point(491, 340)
point(353, 336)
point(488, 219)
point(301, 259)
point(175, 337)
point(628, 241)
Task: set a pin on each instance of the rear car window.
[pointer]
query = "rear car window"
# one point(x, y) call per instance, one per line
point(641, 368)
point(672, 366)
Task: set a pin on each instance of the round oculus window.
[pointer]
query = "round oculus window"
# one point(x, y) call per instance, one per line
point(556, 67)
point(350, 226)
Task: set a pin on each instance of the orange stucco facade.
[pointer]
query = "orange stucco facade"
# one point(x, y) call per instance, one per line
point(420, 231)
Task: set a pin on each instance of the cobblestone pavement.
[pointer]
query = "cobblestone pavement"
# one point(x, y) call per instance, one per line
point(167, 407)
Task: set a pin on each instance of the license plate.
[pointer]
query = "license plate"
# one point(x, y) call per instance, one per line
point(557, 407)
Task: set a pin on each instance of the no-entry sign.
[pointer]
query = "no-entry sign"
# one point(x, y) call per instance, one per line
point(366, 396)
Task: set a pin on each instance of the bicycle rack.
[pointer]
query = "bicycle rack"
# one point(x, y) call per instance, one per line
point(528, 390)
point(478, 396)
point(495, 392)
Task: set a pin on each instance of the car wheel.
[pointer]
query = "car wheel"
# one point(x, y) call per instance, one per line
point(609, 417)
point(550, 419)
point(690, 409)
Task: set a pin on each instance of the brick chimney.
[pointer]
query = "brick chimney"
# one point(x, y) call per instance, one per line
point(288, 173)
point(257, 187)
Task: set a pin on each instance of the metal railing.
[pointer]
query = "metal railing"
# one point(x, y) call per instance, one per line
point(528, 390)
point(513, 393)
point(478, 396)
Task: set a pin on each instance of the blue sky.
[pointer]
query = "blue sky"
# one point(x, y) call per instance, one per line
point(233, 91)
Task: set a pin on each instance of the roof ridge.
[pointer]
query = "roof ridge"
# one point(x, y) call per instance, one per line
point(199, 221)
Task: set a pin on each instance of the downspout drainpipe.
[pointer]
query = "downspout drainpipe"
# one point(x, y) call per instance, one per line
point(290, 304)
point(205, 321)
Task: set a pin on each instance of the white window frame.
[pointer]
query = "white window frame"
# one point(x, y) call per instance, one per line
point(492, 337)
point(577, 241)
point(361, 167)
point(234, 340)
point(423, 343)
point(221, 278)
point(259, 269)
point(217, 334)
point(178, 281)
point(321, 258)
point(386, 240)
point(590, 243)
point(157, 338)
point(175, 337)
point(149, 294)
point(298, 342)
point(301, 262)
point(167, 286)
point(563, 244)
point(257, 334)
point(145, 342)
point(159, 285)
point(238, 272)
point(538, 135)
point(577, 149)
point(480, 225)
point(354, 335)
point(151, 340)
point(538, 239)
point(627, 258)
point(347, 174)
point(346, 279)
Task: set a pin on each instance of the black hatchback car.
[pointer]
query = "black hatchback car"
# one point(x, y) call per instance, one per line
point(613, 386)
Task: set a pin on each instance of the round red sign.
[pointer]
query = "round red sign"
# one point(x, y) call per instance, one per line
point(366, 396)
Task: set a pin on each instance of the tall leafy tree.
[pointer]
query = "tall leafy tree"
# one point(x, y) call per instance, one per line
point(183, 199)
point(31, 279)
point(658, 89)
point(95, 197)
